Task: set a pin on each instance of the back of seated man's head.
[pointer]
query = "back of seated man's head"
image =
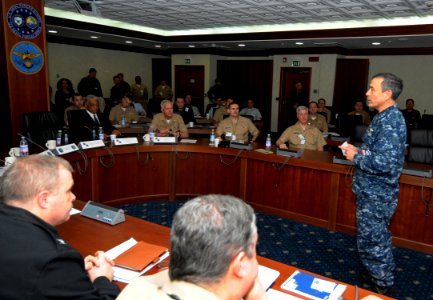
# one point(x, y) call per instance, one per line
point(208, 232)
point(29, 176)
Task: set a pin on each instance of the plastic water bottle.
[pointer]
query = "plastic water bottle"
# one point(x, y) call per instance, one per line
point(151, 135)
point(123, 121)
point(268, 143)
point(212, 138)
point(66, 138)
point(24, 147)
point(59, 138)
point(101, 134)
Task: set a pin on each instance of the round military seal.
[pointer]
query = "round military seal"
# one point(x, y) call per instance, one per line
point(27, 57)
point(24, 21)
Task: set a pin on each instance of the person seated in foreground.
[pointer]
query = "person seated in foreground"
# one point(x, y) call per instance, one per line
point(236, 127)
point(359, 110)
point(36, 196)
point(167, 123)
point(184, 111)
point(302, 135)
point(213, 255)
point(316, 119)
point(77, 103)
point(251, 111)
point(123, 109)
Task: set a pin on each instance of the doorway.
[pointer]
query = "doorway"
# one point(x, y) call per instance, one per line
point(289, 76)
point(189, 80)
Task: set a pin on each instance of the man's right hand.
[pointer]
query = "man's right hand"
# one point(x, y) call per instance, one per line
point(99, 265)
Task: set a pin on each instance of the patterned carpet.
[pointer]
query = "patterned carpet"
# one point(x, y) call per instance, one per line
point(329, 253)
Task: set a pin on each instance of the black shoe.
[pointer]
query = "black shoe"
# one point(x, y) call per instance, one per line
point(383, 290)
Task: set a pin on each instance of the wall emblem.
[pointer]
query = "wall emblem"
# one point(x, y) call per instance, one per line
point(24, 21)
point(27, 57)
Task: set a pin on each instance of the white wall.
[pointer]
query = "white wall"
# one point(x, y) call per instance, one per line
point(73, 62)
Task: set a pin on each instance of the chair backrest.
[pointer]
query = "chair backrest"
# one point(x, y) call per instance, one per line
point(248, 116)
point(346, 124)
point(421, 146)
point(359, 133)
point(41, 126)
point(427, 121)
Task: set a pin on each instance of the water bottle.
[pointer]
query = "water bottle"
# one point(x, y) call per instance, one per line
point(66, 138)
point(123, 122)
point(212, 138)
point(59, 138)
point(268, 142)
point(24, 147)
point(101, 134)
point(151, 135)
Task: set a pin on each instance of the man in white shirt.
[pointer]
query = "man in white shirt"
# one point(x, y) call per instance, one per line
point(251, 111)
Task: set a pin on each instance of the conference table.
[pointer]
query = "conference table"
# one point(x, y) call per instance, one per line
point(88, 236)
point(310, 189)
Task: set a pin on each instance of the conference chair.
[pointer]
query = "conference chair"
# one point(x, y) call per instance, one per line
point(421, 146)
point(41, 126)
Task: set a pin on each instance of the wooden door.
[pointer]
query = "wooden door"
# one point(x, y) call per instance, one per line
point(351, 80)
point(189, 80)
point(288, 78)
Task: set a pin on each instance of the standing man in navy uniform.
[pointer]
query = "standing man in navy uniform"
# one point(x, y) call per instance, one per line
point(378, 163)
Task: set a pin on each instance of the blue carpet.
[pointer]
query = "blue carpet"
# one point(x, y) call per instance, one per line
point(328, 253)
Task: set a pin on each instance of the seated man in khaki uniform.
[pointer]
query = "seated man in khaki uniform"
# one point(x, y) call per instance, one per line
point(167, 123)
point(359, 110)
point(302, 135)
point(213, 255)
point(316, 119)
point(236, 127)
point(123, 109)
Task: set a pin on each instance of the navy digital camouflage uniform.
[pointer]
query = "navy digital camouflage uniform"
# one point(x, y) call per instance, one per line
point(378, 165)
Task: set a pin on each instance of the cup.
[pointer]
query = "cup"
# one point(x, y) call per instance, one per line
point(9, 160)
point(146, 137)
point(217, 141)
point(15, 151)
point(191, 124)
point(51, 144)
point(112, 138)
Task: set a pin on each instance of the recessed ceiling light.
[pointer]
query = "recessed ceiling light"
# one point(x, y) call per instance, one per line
point(53, 31)
point(376, 43)
point(241, 45)
point(128, 42)
point(94, 37)
point(299, 43)
point(191, 46)
point(157, 46)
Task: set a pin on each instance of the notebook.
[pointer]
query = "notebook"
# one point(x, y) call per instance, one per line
point(140, 256)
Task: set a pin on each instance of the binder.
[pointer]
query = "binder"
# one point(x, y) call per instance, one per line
point(140, 256)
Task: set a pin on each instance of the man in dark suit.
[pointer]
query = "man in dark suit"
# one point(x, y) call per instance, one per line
point(91, 119)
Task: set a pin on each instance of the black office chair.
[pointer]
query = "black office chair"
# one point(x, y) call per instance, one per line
point(346, 125)
point(359, 133)
point(421, 146)
point(427, 121)
point(41, 126)
point(248, 116)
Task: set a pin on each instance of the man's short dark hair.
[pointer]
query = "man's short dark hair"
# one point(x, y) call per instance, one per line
point(391, 82)
point(207, 234)
point(91, 70)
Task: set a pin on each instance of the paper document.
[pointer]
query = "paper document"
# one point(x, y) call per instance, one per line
point(74, 211)
point(188, 141)
point(267, 276)
point(277, 295)
point(125, 275)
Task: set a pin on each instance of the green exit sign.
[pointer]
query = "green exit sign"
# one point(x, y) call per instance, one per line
point(296, 63)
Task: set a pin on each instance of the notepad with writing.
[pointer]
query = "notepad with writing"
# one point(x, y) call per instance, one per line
point(140, 256)
point(313, 287)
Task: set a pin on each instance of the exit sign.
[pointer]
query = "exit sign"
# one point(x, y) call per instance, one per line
point(296, 63)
